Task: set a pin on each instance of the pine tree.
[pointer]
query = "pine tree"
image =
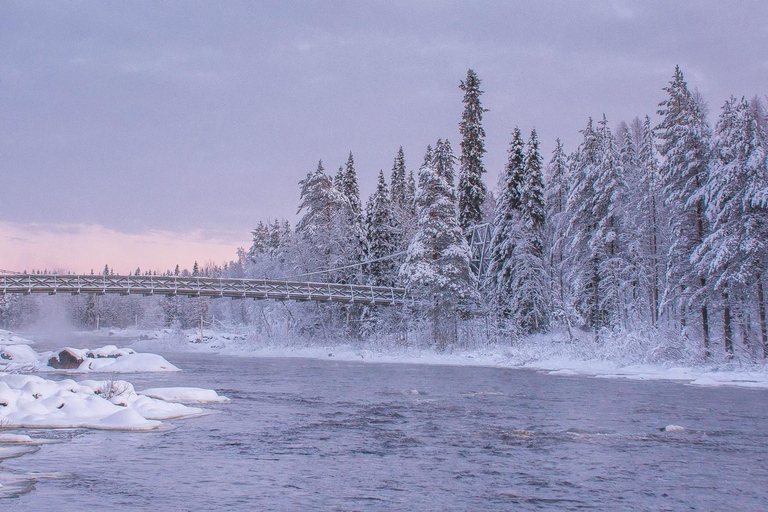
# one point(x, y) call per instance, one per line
point(595, 230)
point(444, 161)
point(471, 190)
point(353, 245)
point(733, 253)
point(556, 195)
point(397, 180)
point(649, 208)
point(684, 136)
point(506, 224)
point(437, 266)
point(530, 291)
point(380, 236)
point(322, 224)
point(351, 190)
point(401, 201)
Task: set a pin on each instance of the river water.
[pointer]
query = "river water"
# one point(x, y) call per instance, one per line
point(302, 434)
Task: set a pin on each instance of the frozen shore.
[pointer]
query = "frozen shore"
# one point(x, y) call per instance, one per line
point(545, 354)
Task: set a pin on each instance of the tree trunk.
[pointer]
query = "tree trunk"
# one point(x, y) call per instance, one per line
point(705, 324)
point(761, 314)
point(655, 264)
point(727, 329)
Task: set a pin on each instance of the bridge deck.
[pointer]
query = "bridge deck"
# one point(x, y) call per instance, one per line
point(202, 287)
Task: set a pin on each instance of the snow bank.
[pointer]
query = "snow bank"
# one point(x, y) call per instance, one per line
point(34, 402)
point(8, 338)
point(546, 353)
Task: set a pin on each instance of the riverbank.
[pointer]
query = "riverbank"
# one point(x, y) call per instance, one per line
point(545, 353)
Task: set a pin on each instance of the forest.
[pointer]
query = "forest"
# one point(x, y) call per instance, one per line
point(647, 237)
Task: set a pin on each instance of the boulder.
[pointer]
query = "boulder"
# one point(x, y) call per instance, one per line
point(65, 360)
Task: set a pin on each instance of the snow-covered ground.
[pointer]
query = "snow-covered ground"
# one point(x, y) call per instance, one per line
point(544, 353)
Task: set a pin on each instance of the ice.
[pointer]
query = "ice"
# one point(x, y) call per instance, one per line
point(187, 395)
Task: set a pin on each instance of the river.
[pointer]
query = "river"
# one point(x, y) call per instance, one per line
point(302, 434)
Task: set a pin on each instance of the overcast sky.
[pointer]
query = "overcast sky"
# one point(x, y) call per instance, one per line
point(124, 124)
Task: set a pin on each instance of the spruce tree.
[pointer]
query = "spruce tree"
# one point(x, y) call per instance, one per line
point(397, 180)
point(556, 195)
point(733, 253)
point(380, 236)
point(500, 274)
point(530, 293)
point(471, 190)
point(650, 207)
point(437, 267)
point(684, 144)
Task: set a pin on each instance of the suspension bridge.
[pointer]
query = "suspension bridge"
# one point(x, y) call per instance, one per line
point(217, 287)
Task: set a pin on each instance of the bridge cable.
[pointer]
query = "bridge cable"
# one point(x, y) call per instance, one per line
point(327, 271)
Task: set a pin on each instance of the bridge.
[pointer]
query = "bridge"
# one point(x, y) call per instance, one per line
point(216, 287)
point(194, 286)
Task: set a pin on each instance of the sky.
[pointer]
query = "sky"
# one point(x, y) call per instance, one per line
point(145, 134)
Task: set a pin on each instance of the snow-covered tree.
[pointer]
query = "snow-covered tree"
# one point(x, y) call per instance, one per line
point(471, 190)
point(444, 161)
point(649, 208)
point(506, 224)
point(556, 196)
point(380, 234)
point(735, 250)
point(322, 222)
point(684, 143)
point(437, 267)
point(398, 180)
point(530, 297)
point(596, 236)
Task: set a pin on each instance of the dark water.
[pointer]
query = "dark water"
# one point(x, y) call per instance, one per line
point(304, 434)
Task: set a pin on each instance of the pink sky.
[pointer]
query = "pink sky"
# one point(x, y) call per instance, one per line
point(82, 247)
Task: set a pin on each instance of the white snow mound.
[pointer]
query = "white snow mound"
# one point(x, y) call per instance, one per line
point(33, 402)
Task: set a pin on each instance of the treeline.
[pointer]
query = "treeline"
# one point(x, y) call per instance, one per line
point(641, 229)
point(657, 229)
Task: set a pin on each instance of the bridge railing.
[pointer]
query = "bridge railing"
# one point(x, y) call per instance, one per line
point(194, 286)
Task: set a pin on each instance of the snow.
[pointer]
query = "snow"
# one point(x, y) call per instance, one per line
point(542, 353)
point(130, 363)
point(9, 338)
point(110, 358)
point(34, 402)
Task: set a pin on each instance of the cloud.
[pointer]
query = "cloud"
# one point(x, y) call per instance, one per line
point(82, 247)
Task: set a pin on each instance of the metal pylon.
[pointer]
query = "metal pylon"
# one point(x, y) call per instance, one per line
point(480, 246)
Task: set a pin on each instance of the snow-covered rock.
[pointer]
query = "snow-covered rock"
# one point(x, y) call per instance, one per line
point(31, 401)
point(66, 359)
point(109, 359)
point(22, 354)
